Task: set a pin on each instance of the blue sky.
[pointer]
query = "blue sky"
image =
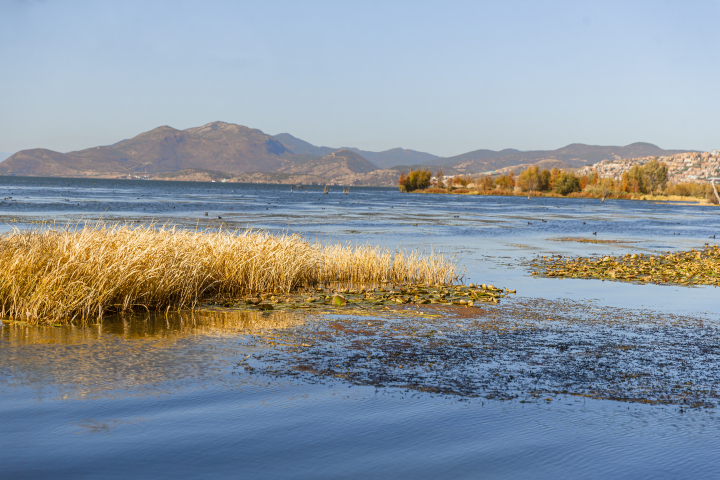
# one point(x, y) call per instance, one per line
point(444, 77)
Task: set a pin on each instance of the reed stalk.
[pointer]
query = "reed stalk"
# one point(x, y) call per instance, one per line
point(81, 273)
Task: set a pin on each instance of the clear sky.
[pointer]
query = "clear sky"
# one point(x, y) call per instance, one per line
point(444, 77)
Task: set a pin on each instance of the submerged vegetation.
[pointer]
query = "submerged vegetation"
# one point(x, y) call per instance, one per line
point(692, 267)
point(84, 273)
point(649, 181)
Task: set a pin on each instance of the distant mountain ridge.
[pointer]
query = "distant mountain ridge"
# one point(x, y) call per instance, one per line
point(217, 147)
point(575, 155)
point(241, 152)
point(385, 159)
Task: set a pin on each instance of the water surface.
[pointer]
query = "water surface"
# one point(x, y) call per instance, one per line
point(155, 396)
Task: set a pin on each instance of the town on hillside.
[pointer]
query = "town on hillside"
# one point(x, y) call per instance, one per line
point(682, 167)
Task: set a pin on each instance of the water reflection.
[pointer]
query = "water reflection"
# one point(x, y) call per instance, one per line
point(131, 355)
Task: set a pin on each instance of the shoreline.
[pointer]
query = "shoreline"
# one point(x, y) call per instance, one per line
point(643, 197)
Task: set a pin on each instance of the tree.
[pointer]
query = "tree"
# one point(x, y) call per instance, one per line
point(488, 183)
point(506, 182)
point(553, 177)
point(545, 180)
point(607, 185)
point(402, 181)
point(440, 179)
point(632, 181)
point(654, 176)
point(566, 183)
point(418, 180)
point(529, 180)
point(459, 180)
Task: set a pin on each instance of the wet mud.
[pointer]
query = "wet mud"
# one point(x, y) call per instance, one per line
point(527, 350)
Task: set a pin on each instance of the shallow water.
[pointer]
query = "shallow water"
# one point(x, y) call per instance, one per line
point(208, 395)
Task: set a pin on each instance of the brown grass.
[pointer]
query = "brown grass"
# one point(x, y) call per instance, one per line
point(83, 273)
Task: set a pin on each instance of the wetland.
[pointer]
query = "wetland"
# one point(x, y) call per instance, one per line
point(499, 373)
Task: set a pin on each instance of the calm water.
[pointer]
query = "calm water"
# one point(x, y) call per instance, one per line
point(165, 397)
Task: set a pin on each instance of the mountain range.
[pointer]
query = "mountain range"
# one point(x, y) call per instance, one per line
point(239, 153)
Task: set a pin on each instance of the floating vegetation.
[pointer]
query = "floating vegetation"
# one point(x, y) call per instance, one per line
point(371, 297)
point(84, 273)
point(692, 267)
point(589, 240)
point(528, 350)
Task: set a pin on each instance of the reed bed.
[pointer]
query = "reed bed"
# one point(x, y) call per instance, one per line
point(81, 273)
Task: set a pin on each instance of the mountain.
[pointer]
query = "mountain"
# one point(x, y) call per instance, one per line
point(575, 155)
point(228, 151)
point(396, 156)
point(339, 163)
point(301, 147)
point(386, 159)
point(217, 146)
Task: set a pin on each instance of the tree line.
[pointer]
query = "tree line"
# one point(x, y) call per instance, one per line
point(650, 178)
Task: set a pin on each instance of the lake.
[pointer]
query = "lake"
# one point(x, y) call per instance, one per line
point(241, 394)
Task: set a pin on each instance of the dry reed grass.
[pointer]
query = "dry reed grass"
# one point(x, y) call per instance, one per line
point(82, 273)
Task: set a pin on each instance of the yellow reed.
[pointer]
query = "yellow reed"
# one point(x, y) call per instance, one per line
point(82, 273)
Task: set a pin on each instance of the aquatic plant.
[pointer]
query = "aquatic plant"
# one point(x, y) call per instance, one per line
point(366, 297)
point(81, 273)
point(692, 267)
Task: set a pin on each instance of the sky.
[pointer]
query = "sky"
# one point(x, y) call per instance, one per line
point(444, 77)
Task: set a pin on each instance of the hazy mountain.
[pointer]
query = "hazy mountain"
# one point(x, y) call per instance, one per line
point(301, 147)
point(386, 159)
point(476, 155)
point(336, 164)
point(575, 155)
point(396, 156)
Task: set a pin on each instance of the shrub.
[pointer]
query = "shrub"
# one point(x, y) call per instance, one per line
point(415, 180)
point(689, 189)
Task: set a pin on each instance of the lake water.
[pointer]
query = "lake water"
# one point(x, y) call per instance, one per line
point(209, 396)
